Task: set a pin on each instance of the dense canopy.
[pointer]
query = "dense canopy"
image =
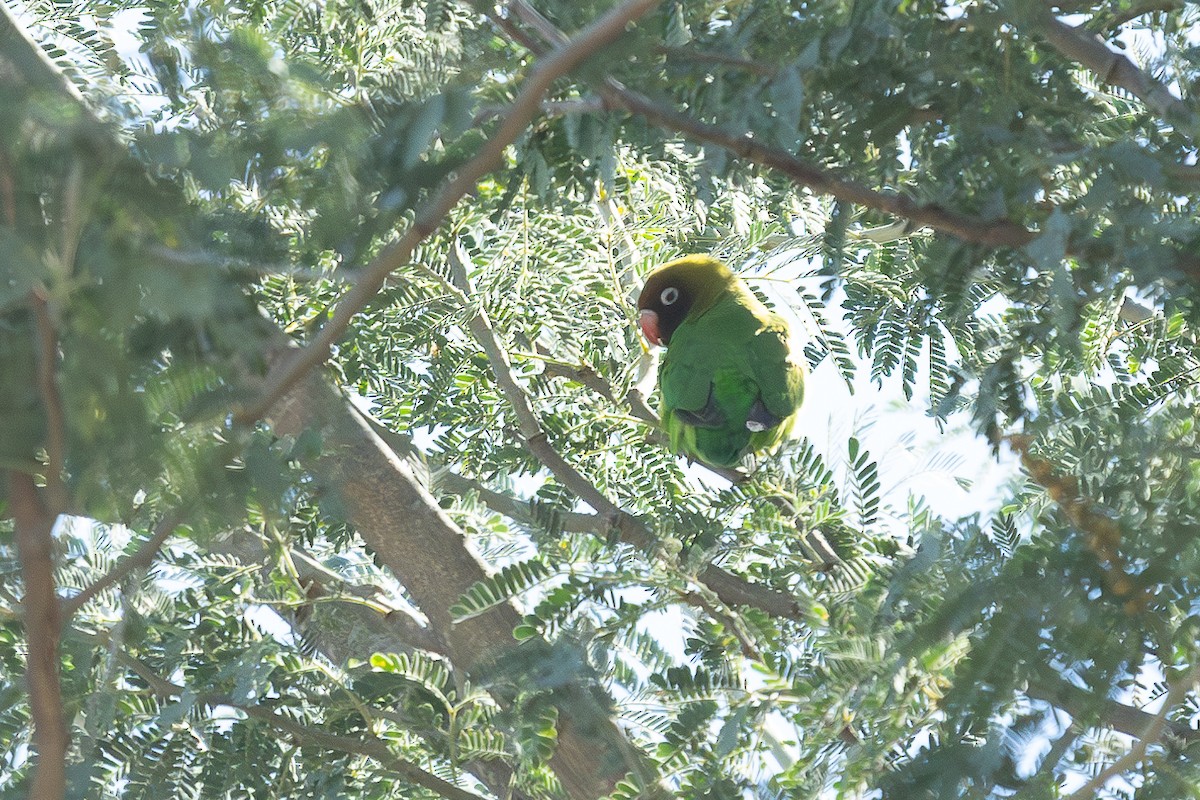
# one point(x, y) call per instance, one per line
point(331, 463)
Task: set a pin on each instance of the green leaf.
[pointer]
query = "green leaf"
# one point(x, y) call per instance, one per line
point(494, 590)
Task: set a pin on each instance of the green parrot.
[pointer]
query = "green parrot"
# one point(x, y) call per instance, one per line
point(731, 380)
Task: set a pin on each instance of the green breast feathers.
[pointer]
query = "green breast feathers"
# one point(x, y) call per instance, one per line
point(730, 380)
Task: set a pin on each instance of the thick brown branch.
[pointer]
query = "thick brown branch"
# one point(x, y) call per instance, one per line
point(35, 548)
point(1089, 50)
point(56, 420)
point(992, 233)
point(411, 535)
point(562, 60)
point(1183, 172)
point(140, 559)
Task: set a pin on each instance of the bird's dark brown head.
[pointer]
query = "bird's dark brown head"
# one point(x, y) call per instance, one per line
point(676, 289)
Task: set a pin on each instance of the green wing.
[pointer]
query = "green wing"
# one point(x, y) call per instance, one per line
point(776, 369)
point(722, 369)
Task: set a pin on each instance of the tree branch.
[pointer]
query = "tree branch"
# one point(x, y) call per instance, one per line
point(637, 406)
point(554, 65)
point(56, 421)
point(373, 748)
point(35, 67)
point(362, 623)
point(1152, 733)
point(208, 262)
point(1188, 173)
point(412, 536)
point(550, 108)
point(35, 548)
point(992, 233)
point(1034, 785)
point(1090, 51)
point(141, 558)
point(730, 589)
point(976, 230)
point(631, 529)
point(1080, 704)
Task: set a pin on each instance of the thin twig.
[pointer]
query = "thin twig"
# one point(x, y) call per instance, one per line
point(35, 549)
point(316, 578)
point(550, 108)
point(56, 420)
point(140, 559)
point(731, 623)
point(1151, 735)
point(562, 60)
point(631, 529)
point(534, 19)
point(1089, 50)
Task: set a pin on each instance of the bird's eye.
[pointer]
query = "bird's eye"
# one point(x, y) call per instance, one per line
point(669, 295)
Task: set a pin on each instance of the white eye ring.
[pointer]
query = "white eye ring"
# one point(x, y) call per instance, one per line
point(669, 296)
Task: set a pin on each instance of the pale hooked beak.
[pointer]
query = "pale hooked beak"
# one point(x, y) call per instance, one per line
point(648, 320)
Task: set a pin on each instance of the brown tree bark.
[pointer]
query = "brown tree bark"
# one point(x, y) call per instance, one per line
point(35, 547)
point(402, 522)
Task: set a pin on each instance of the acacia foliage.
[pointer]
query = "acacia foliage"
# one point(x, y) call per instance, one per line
point(255, 156)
